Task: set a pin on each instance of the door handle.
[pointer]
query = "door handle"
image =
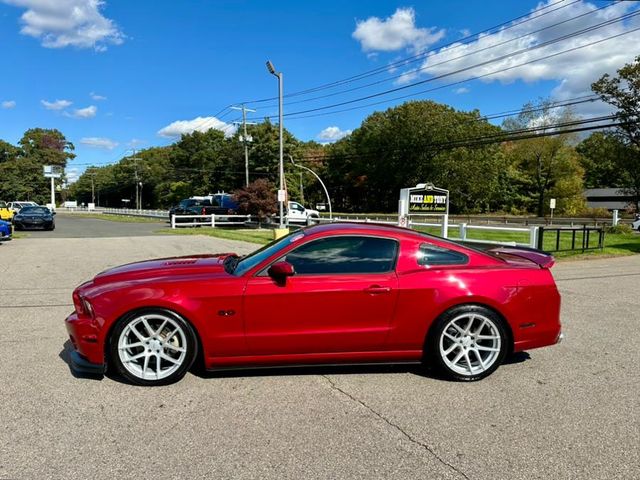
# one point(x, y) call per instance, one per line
point(374, 289)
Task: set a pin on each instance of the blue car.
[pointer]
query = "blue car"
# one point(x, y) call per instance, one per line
point(5, 231)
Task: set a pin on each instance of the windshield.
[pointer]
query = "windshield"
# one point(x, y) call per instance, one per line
point(36, 210)
point(245, 264)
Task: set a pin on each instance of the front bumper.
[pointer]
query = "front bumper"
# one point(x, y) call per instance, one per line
point(88, 353)
point(79, 364)
point(33, 225)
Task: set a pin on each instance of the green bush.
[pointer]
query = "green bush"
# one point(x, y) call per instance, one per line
point(620, 228)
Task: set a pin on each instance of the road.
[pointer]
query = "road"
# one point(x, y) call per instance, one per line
point(564, 412)
point(81, 226)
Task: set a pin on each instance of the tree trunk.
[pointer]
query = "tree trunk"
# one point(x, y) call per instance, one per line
point(541, 204)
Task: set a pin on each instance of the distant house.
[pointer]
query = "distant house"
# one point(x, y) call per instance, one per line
point(609, 198)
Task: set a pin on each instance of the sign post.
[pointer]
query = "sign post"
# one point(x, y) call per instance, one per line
point(552, 206)
point(52, 172)
point(425, 199)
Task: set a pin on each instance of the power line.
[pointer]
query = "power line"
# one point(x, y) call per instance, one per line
point(487, 62)
point(477, 77)
point(449, 60)
point(507, 24)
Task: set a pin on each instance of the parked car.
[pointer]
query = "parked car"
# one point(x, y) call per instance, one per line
point(297, 213)
point(5, 231)
point(17, 206)
point(40, 218)
point(6, 213)
point(194, 206)
point(326, 294)
point(636, 223)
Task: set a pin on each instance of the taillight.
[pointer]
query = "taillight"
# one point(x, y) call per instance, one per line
point(204, 212)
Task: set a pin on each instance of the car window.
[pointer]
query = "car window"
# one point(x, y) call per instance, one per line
point(247, 263)
point(434, 255)
point(37, 210)
point(343, 255)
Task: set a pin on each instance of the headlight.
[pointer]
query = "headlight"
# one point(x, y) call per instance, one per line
point(83, 307)
point(86, 306)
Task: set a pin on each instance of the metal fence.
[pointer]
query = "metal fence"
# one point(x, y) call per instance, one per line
point(565, 239)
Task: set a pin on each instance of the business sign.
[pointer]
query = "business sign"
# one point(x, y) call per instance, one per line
point(428, 200)
point(52, 171)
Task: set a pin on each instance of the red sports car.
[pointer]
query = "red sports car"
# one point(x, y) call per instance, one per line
point(328, 294)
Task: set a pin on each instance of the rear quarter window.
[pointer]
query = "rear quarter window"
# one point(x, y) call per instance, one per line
point(429, 255)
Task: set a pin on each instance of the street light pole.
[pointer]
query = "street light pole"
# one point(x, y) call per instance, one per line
point(281, 192)
point(326, 192)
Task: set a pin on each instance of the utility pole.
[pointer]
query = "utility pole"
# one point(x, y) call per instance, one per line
point(137, 179)
point(246, 139)
point(282, 195)
point(301, 190)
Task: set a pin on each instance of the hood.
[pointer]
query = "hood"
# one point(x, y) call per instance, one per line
point(163, 267)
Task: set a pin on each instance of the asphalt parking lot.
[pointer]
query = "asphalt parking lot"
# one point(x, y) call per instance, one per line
point(564, 412)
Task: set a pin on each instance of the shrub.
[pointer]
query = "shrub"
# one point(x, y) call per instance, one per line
point(620, 228)
point(257, 199)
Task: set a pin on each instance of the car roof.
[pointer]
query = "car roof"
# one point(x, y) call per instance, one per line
point(341, 228)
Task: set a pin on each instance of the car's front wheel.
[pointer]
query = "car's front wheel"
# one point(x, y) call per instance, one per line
point(467, 343)
point(153, 347)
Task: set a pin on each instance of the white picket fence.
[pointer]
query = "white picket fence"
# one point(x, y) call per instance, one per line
point(208, 220)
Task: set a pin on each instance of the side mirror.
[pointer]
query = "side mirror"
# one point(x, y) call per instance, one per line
point(280, 271)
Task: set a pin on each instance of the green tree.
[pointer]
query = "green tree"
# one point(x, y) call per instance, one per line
point(623, 93)
point(410, 144)
point(548, 165)
point(602, 155)
point(46, 146)
point(8, 152)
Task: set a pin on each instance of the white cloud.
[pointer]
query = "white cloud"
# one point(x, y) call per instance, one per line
point(99, 142)
point(395, 32)
point(56, 105)
point(200, 124)
point(574, 71)
point(96, 97)
point(7, 104)
point(461, 90)
point(135, 142)
point(87, 112)
point(72, 174)
point(64, 23)
point(332, 134)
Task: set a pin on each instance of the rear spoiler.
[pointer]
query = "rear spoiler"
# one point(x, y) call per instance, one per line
point(544, 260)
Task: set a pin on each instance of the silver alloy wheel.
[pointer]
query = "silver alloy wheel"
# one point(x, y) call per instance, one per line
point(470, 344)
point(152, 346)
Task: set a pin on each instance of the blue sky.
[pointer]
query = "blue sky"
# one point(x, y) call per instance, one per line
point(117, 74)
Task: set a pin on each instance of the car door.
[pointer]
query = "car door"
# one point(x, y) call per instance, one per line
point(341, 298)
point(296, 212)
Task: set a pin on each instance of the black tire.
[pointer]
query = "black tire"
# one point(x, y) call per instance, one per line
point(189, 340)
point(471, 367)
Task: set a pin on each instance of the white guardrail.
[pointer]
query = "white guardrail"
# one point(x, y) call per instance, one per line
point(208, 220)
point(464, 229)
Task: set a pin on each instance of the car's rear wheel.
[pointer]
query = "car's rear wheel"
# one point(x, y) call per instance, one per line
point(153, 347)
point(467, 343)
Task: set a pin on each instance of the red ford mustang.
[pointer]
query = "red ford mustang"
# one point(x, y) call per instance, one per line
point(338, 293)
